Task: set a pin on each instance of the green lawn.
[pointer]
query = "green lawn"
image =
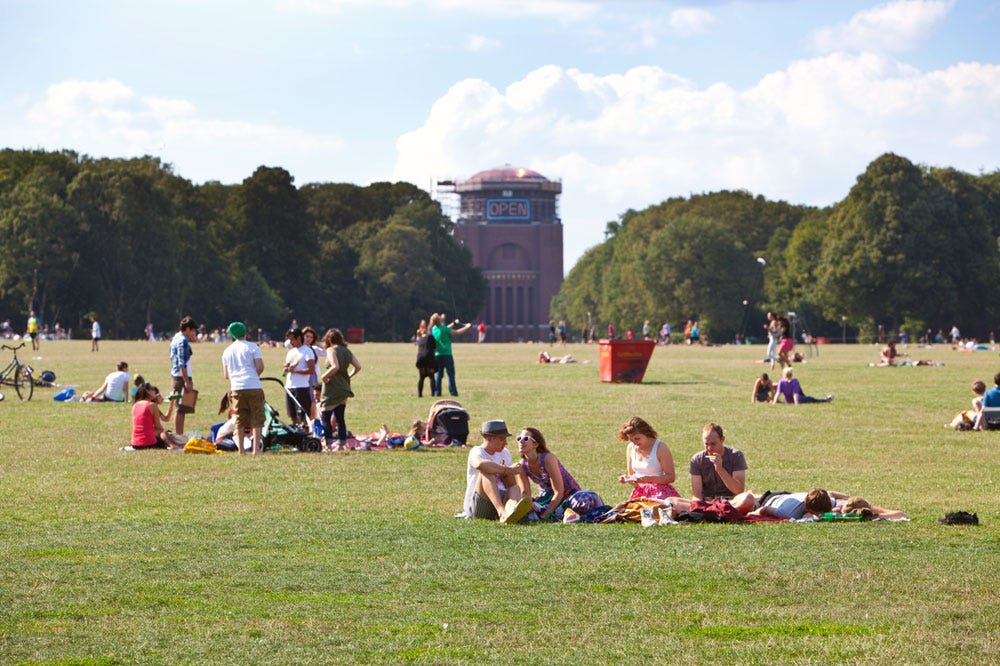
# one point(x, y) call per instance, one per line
point(154, 557)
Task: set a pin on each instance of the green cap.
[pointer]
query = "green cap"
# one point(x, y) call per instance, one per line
point(237, 329)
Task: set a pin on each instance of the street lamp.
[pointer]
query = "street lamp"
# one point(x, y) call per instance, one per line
point(843, 330)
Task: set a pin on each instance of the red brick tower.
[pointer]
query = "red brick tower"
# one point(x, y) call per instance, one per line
point(509, 220)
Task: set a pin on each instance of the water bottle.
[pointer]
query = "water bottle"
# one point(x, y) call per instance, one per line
point(197, 433)
point(830, 517)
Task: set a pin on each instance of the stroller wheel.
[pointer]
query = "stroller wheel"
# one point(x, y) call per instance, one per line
point(312, 445)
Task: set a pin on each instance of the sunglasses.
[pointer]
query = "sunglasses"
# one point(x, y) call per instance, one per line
point(524, 438)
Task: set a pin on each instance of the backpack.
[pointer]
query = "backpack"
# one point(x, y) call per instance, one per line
point(426, 346)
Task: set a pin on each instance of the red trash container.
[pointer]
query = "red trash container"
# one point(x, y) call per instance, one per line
point(355, 335)
point(625, 360)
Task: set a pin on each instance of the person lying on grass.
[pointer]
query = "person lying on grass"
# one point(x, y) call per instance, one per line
point(859, 506)
point(545, 357)
point(793, 506)
point(540, 465)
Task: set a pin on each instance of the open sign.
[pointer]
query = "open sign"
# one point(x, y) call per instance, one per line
point(508, 209)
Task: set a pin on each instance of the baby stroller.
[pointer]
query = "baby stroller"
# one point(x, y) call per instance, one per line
point(448, 423)
point(279, 435)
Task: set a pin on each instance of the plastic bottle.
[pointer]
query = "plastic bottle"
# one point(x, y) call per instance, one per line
point(830, 517)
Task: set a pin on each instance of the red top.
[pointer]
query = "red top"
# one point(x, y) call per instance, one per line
point(143, 428)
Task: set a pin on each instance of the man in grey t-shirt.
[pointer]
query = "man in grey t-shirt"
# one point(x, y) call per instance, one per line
point(718, 470)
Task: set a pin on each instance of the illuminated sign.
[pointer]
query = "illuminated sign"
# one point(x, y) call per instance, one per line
point(508, 209)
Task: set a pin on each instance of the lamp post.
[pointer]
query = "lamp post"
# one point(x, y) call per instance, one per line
point(843, 330)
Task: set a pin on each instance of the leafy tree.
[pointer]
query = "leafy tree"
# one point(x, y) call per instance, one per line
point(40, 256)
point(900, 246)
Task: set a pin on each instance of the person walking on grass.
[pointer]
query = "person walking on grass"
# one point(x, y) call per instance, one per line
point(33, 328)
point(95, 334)
point(242, 365)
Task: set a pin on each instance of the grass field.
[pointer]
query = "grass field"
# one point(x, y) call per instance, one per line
point(155, 557)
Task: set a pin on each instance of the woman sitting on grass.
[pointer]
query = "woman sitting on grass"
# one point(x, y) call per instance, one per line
point(540, 465)
point(648, 462)
point(790, 390)
point(147, 420)
point(763, 389)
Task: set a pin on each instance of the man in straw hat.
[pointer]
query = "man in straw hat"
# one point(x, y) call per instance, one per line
point(491, 490)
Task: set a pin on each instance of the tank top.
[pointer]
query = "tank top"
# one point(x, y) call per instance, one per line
point(143, 430)
point(650, 466)
point(544, 481)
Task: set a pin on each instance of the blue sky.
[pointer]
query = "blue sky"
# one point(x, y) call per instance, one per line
point(628, 103)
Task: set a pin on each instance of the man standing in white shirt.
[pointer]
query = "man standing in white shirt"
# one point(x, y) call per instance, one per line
point(242, 365)
point(300, 366)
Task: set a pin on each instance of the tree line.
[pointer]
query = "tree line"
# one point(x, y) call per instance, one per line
point(132, 242)
point(909, 248)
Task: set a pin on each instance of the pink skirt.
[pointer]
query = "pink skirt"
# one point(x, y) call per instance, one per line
point(654, 491)
point(787, 345)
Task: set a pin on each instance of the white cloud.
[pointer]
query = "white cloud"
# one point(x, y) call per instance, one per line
point(689, 20)
point(478, 43)
point(801, 134)
point(107, 118)
point(890, 28)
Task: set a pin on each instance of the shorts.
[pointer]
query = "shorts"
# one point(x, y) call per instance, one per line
point(159, 443)
point(787, 344)
point(248, 405)
point(177, 388)
point(483, 508)
point(33, 335)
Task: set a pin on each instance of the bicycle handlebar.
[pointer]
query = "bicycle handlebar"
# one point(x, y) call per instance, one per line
point(13, 348)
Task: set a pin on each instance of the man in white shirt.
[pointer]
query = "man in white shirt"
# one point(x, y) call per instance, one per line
point(115, 386)
point(242, 365)
point(491, 490)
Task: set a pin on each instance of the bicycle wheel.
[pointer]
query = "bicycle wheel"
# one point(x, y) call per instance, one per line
point(24, 384)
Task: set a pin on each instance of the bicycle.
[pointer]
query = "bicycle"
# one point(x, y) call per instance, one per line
point(18, 375)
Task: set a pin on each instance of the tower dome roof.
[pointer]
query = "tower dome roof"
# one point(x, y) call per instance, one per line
point(507, 173)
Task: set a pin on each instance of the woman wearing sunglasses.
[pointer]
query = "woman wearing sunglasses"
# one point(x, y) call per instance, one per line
point(540, 465)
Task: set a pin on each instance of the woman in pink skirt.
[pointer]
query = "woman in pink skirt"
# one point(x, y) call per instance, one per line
point(648, 462)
